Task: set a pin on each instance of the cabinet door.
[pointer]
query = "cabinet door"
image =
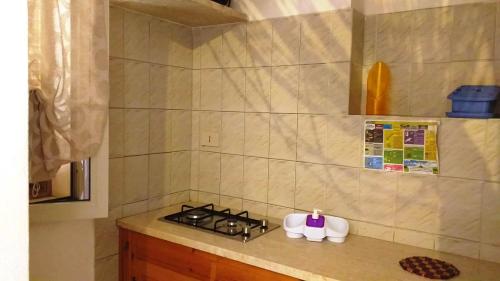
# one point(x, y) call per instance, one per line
point(172, 257)
point(125, 270)
point(230, 270)
point(144, 271)
point(145, 258)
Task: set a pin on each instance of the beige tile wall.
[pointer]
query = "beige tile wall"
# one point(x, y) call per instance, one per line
point(268, 89)
point(150, 124)
point(276, 96)
point(431, 52)
point(287, 143)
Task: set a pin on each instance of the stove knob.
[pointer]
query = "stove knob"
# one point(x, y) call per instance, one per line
point(264, 224)
point(246, 231)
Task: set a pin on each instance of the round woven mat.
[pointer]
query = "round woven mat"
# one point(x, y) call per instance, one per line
point(429, 268)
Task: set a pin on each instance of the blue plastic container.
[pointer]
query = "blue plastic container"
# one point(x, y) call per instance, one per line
point(470, 115)
point(474, 101)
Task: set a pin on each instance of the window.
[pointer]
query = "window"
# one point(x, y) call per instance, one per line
point(71, 183)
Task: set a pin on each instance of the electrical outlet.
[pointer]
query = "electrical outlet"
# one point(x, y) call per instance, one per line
point(210, 139)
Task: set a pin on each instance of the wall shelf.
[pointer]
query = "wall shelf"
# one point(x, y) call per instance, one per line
point(188, 12)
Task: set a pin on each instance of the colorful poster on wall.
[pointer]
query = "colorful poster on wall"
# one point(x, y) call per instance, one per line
point(404, 146)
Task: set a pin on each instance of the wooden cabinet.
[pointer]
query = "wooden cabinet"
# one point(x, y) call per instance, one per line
point(145, 258)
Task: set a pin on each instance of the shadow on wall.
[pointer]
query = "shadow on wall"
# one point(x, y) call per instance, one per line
point(296, 69)
point(431, 52)
point(282, 57)
point(287, 77)
point(277, 94)
point(262, 9)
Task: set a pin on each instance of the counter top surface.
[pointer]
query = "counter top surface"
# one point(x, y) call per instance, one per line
point(358, 258)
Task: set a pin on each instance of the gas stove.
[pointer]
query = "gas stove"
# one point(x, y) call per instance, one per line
point(235, 226)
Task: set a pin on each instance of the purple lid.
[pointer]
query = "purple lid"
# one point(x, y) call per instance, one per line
point(320, 222)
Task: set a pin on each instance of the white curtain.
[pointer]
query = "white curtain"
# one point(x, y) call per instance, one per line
point(68, 81)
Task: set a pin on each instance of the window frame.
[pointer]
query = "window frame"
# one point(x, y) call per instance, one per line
point(96, 207)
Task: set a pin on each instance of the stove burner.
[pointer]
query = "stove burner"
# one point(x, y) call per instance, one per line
point(195, 214)
point(231, 226)
point(230, 230)
point(232, 223)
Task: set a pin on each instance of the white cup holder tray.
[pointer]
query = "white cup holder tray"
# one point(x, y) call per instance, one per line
point(335, 229)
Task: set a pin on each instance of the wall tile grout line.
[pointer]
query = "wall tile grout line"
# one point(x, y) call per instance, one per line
point(270, 118)
point(148, 116)
point(297, 117)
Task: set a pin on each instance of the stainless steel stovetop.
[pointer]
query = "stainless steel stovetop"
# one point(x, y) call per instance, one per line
point(235, 226)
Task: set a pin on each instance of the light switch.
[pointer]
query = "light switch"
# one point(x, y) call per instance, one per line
point(210, 139)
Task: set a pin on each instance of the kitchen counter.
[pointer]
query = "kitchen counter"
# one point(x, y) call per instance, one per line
point(359, 258)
